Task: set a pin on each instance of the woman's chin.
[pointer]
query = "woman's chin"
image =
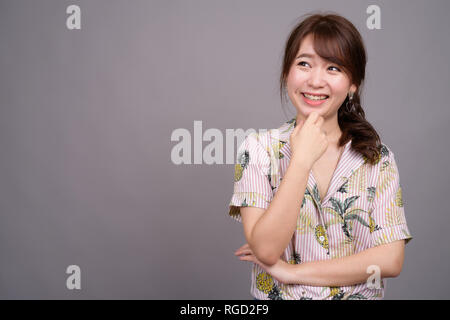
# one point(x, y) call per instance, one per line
point(305, 111)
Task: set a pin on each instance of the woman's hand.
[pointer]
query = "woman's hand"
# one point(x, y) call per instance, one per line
point(308, 140)
point(281, 271)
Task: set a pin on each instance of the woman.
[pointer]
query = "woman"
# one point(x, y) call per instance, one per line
point(348, 230)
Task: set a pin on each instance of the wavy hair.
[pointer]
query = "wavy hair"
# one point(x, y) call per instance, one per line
point(338, 41)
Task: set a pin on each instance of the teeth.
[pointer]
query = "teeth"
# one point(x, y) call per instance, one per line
point(315, 97)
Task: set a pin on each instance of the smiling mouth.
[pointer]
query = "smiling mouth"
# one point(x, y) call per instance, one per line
point(315, 98)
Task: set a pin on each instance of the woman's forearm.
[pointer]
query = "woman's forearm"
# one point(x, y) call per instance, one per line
point(350, 270)
point(273, 231)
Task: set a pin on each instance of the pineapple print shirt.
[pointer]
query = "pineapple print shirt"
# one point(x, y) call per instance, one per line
point(363, 208)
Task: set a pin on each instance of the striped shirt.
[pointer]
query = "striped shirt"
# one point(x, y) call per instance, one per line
point(363, 208)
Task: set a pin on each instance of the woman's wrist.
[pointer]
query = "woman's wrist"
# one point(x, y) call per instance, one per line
point(300, 163)
point(299, 167)
point(294, 274)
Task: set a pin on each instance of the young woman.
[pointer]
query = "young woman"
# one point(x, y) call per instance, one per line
point(319, 197)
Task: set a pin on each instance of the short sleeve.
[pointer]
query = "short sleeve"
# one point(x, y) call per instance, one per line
point(387, 220)
point(252, 186)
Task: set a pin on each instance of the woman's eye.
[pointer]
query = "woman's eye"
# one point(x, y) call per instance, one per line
point(300, 63)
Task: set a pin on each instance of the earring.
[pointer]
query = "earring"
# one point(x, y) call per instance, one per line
point(350, 107)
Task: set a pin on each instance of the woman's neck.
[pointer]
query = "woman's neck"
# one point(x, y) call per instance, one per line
point(333, 132)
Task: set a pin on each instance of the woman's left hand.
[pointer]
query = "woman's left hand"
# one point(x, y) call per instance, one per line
point(281, 271)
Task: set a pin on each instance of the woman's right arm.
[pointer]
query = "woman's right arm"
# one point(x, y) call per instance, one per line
point(268, 232)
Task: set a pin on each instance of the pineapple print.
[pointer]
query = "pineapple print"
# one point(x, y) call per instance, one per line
point(306, 195)
point(303, 202)
point(265, 283)
point(372, 226)
point(345, 213)
point(293, 120)
point(238, 172)
point(292, 123)
point(343, 188)
point(269, 177)
point(384, 151)
point(358, 181)
point(334, 291)
point(399, 198)
point(276, 149)
point(370, 193)
point(275, 294)
point(338, 294)
point(243, 160)
point(295, 259)
point(315, 195)
point(321, 237)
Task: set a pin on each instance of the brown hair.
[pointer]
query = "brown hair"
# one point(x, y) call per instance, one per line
point(337, 40)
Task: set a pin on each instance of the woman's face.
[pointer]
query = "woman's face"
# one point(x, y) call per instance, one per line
point(311, 74)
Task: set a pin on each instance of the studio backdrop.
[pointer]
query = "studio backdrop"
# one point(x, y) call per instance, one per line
point(119, 127)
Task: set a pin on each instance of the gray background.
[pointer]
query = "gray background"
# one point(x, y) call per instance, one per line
point(86, 118)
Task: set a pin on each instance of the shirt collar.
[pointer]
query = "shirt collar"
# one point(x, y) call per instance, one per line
point(349, 161)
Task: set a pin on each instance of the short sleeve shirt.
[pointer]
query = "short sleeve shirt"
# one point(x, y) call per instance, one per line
point(363, 208)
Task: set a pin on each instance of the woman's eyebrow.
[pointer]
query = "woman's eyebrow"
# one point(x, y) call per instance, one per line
point(307, 55)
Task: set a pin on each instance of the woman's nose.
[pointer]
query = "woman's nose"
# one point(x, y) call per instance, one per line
point(316, 78)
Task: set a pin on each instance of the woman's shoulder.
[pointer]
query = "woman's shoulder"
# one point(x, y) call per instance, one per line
point(386, 157)
point(386, 151)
